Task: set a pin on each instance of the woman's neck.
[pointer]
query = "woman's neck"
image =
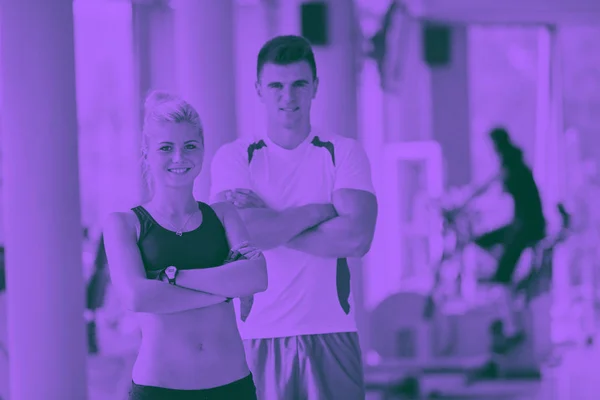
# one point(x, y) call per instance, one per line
point(174, 202)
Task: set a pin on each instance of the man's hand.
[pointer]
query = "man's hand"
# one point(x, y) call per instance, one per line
point(244, 198)
point(348, 235)
point(243, 251)
point(249, 252)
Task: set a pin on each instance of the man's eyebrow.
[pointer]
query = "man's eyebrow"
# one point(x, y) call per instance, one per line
point(304, 81)
point(186, 142)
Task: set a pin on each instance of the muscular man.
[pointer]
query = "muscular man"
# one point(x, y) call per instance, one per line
point(308, 202)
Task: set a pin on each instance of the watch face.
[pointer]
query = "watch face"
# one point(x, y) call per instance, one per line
point(170, 272)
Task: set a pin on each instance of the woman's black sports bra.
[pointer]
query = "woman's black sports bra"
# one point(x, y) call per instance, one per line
point(204, 247)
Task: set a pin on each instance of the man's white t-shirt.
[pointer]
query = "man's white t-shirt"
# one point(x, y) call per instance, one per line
point(307, 294)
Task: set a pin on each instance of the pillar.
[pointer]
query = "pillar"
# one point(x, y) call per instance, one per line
point(550, 171)
point(447, 114)
point(335, 108)
point(408, 117)
point(270, 9)
point(107, 89)
point(336, 105)
point(47, 342)
point(431, 100)
point(205, 70)
point(153, 30)
point(450, 112)
point(252, 29)
point(417, 103)
point(152, 68)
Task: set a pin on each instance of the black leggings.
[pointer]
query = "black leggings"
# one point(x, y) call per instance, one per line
point(514, 241)
point(242, 389)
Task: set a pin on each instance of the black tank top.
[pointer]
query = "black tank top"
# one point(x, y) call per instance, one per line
point(204, 247)
point(528, 210)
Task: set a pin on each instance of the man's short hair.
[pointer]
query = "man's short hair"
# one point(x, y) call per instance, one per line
point(285, 50)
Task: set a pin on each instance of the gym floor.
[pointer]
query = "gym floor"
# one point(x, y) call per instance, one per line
point(110, 378)
point(574, 378)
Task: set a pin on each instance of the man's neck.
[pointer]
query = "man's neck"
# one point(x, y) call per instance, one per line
point(288, 139)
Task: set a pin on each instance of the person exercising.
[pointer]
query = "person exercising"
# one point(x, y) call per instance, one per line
point(526, 229)
point(528, 225)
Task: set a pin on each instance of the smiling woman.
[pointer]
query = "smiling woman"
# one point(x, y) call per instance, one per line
point(163, 257)
point(172, 141)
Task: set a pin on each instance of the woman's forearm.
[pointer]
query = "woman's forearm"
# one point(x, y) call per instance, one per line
point(235, 279)
point(156, 297)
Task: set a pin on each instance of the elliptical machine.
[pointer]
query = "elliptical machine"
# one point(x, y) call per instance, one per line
point(539, 279)
point(537, 282)
point(457, 226)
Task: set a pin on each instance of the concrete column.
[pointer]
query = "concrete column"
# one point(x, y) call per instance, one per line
point(408, 85)
point(153, 67)
point(550, 170)
point(392, 109)
point(254, 26)
point(206, 72)
point(47, 339)
point(335, 108)
point(450, 111)
point(113, 129)
point(450, 119)
point(153, 28)
point(408, 116)
point(417, 103)
point(336, 105)
point(550, 161)
point(431, 102)
point(270, 9)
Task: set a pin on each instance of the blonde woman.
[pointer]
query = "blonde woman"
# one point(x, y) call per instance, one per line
point(168, 260)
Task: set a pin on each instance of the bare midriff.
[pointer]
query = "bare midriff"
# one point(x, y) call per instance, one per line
point(191, 350)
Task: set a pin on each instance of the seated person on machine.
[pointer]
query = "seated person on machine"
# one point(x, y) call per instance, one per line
point(528, 226)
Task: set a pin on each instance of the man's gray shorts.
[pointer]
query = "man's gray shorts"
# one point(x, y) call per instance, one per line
point(308, 367)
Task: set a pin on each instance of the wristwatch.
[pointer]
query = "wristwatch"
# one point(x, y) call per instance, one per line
point(171, 274)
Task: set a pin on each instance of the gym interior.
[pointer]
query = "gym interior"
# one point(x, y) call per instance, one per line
point(429, 88)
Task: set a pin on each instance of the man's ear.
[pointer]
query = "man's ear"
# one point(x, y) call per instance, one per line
point(258, 89)
point(315, 87)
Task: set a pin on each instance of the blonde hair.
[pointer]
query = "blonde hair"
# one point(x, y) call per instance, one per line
point(163, 107)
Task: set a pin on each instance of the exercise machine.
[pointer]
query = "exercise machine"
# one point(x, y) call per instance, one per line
point(531, 301)
point(439, 355)
point(457, 231)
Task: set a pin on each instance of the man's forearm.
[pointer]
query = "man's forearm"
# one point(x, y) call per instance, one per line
point(156, 297)
point(236, 279)
point(269, 229)
point(336, 238)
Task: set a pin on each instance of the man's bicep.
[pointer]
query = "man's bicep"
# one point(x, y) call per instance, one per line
point(354, 169)
point(229, 170)
point(235, 228)
point(359, 205)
